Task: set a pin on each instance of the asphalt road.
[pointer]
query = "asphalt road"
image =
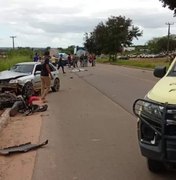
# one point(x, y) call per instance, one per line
point(91, 128)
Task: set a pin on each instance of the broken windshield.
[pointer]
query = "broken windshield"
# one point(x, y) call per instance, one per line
point(23, 68)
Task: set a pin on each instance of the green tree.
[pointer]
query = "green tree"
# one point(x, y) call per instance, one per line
point(69, 49)
point(158, 45)
point(48, 48)
point(110, 37)
point(171, 5)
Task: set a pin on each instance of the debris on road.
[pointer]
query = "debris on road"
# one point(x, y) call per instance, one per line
point(78, 70)
point(22, 148)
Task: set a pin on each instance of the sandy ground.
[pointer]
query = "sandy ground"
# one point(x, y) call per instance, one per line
point(19, 130)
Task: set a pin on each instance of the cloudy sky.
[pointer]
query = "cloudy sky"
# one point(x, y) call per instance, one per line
point(61, 23)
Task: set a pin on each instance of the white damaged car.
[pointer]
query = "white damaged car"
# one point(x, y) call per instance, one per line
point(24, 78)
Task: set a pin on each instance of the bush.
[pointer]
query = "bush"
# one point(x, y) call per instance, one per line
point(16, 56)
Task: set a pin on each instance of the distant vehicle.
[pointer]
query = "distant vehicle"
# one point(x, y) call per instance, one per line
point(24, 78)
point(79, 51)
point(123, 57)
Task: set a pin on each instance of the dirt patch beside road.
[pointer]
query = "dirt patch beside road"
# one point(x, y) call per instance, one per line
point(19, 130)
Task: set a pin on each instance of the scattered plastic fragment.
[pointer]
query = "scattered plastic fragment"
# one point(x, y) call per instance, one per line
point(22, 148)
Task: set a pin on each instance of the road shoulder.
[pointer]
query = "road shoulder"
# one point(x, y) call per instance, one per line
point(19, 130)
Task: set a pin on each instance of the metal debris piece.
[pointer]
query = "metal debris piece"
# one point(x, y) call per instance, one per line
point(22, 148)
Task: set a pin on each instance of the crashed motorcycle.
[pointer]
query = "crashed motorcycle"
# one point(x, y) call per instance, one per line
point(20, 104)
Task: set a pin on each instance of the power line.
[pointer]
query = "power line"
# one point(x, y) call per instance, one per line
point(13, 37)
point(168, 36)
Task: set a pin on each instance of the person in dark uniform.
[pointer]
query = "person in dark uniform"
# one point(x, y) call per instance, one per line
point(46, 77)
point(61, 64)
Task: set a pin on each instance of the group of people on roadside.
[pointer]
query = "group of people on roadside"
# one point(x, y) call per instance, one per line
point(73, 61)
point(58, 62)
point(46, 75)
point(37, 57)
point(83, 60)
point(87, 58)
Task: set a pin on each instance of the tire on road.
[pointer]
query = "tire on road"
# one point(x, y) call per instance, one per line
point(155, 166)
point(28, 89)
point(56, 85)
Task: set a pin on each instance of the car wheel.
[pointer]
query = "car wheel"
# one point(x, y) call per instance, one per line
point(155, 166)
point(56, 85)
point(28, 89)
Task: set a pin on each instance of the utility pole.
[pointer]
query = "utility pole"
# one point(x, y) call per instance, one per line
point(168, 36)
point(13, 37)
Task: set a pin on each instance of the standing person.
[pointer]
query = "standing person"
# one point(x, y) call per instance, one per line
point(53, 60)
point(69, 60)
point(36, 57)
point(85, 60)
point(81, 60)
point(93, 60)
point(61, 64)
point(90, 58)
point(46, 77)
point(75, 61)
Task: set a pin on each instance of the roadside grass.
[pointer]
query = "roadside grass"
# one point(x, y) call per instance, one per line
point(6, 63)
point(149, 63)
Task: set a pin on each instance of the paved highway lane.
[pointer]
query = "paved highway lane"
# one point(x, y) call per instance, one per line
point(91, 128)
point(121, 84)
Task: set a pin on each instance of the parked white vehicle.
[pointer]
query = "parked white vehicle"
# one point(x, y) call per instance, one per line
point(24, 78)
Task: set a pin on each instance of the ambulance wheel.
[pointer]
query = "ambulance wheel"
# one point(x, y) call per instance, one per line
point(155, 166)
